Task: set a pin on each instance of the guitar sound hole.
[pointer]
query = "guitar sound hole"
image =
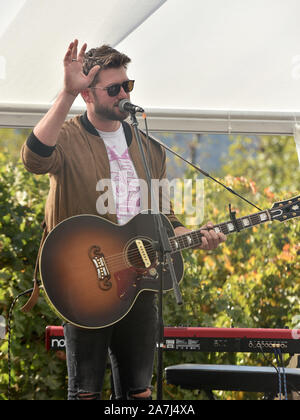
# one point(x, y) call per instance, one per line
point(140, 255)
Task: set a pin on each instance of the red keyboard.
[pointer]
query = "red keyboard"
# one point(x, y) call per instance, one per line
point(254, 340)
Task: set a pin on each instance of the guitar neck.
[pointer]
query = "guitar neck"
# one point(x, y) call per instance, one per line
point(194, 238)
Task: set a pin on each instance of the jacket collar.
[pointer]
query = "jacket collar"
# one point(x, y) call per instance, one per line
point(92, 130)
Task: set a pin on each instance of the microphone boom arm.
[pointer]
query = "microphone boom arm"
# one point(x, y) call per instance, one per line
point(207, 175)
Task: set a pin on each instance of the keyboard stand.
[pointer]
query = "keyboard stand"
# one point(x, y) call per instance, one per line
point(232, 378)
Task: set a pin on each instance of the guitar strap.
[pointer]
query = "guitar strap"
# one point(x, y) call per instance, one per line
point(36, 286)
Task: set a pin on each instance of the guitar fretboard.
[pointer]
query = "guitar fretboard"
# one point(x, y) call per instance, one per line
point(194, 238)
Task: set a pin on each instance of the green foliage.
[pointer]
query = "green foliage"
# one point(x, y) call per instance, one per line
point(35, 374)
point(11, 141)
point(251, 281)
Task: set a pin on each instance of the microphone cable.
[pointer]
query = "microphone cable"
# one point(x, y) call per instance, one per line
point(279, 360)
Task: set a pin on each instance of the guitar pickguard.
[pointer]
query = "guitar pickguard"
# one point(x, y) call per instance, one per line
point(126, 283)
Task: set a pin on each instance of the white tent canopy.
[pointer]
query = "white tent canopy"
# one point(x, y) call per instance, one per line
point(218, 65)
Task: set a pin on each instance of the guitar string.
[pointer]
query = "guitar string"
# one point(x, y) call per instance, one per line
point(182, 238)
point(184, 242)
point(134, 255)
point(149, 248)
point(119, 262)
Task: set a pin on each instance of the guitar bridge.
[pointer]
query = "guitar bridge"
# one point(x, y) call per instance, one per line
point(102, 270)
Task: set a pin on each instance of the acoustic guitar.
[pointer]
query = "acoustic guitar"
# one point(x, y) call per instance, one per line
point(93, 270)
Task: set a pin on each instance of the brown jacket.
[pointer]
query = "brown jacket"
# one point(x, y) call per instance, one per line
point(78, 162)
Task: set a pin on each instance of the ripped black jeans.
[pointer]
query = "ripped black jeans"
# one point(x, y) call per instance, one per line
point(130, 344)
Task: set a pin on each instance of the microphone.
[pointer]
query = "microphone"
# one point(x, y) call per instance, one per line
point(127, 106)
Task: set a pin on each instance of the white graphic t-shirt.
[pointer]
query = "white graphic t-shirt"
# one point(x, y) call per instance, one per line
point(125, 183)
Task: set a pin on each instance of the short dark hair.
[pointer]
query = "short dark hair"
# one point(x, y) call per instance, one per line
point(106, 57)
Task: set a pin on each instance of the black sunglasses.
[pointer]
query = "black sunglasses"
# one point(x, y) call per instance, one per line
point(114, 90)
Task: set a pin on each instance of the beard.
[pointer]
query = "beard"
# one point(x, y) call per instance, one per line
point(111, 114)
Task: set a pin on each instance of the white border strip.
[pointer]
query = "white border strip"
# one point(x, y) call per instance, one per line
point(174, 120)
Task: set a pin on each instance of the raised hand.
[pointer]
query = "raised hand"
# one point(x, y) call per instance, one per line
point(75, 80)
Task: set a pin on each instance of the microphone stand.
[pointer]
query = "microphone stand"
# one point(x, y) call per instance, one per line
point(163, 248)
point(163, 245)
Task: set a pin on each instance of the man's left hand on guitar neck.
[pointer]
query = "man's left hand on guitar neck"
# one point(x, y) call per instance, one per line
point(211, 240)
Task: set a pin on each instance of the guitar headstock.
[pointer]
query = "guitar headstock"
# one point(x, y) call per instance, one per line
point(285, 210)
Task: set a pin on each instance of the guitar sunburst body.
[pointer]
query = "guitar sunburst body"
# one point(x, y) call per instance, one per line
point(92, 270)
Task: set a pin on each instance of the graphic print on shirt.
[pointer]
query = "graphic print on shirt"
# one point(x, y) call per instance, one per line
point(125, 184)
